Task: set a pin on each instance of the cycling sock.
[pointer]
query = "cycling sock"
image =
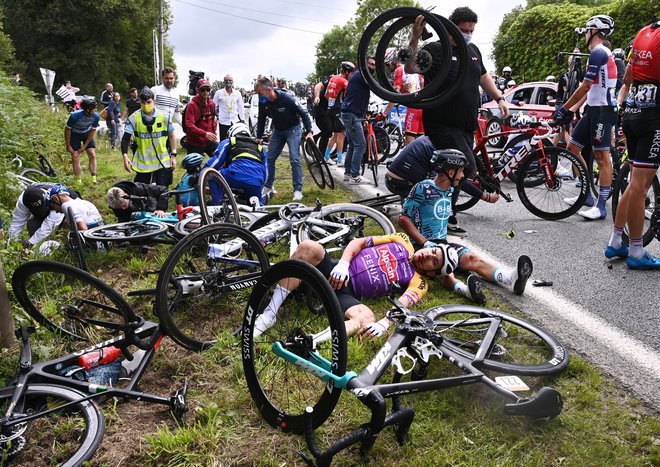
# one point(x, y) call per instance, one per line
point(340, 156)
point(321, 337)
point(615, 239)
point(636, 247)
point(327, 153)
point(603, 194)
point(505, 276)
point(462, 288)
point(279, 295)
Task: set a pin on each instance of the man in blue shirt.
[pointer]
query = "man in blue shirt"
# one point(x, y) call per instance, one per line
point(286, 113)
point(79, 136)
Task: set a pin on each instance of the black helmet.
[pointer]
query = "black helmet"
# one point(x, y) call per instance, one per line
point(88, 103)
point(618, 53)
point(448, 159)
point(347, 66)
point(146, 93)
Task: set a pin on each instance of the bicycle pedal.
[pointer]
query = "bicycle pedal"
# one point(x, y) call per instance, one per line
point(179, 405)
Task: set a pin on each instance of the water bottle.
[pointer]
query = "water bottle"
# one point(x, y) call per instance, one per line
point(99, 357)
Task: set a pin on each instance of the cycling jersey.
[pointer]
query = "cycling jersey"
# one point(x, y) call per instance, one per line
point(335, 92)
point(191, 198)
point(645, 64)
point(601, 72)
point(428, 207)
point(413, 164)
point(80, 122)
point(407, 82)
point(83, 210)
point(386, 262)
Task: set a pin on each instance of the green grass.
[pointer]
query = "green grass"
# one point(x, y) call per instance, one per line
point(601, 425)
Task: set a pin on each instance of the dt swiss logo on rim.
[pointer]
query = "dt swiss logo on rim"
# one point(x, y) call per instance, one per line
point(387, 263)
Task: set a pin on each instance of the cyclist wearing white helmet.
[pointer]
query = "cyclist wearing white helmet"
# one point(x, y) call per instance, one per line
point(595, 127)
point(242, 162)
point(85, 214)
point(334, 93)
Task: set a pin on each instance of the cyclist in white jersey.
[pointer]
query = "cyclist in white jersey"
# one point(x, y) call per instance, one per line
point(595, 127)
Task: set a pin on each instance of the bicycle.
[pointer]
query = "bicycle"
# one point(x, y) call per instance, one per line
point(540, 186)
point(374, 153)
point(395, 130)
point(316, 164)
point(49, 412)
point(296, 370)
point(30, 176)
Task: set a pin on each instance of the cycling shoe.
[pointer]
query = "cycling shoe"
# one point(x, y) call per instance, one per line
point(621, 252)
point(647, 261)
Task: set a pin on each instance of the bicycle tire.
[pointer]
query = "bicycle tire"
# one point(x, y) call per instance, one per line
point(382, 142)
point(465, 200)
point(396, 139)
point(227, 211)
point(134, 231)
point(36, 175)
point(202, 288)
point(372, 160)
point(348, 214)
point(651, 203)
point(521, 348)
point(62, 297)
point(312, 160)
point(327, 175)
point(187, 225)
point(282, 391)
point(76, 245)
point(548, 202)
point(67, 438)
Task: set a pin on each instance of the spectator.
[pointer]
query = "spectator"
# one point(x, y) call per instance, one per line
point(152, 161)
point(16, 76)
point(106, 95)
point(281, 85)
point(165, 96)
point(85, 214)
point(286, 114)
point(79, 136)
point(121, 199)
point(70, 97)
point(114, 111)
point(229, 105)
point(201, 122)
point(132, 104)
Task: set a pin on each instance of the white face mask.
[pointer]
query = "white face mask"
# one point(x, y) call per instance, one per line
point(467, 37)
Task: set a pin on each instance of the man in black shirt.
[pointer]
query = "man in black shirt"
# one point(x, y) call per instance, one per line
point(451, 125)
point(132, 104)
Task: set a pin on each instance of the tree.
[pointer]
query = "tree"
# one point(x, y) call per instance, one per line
point(6, 47)
point(6, 319)
point(89, 43)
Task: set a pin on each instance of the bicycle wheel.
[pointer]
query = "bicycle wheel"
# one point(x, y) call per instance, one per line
point(396, 139)
point(65, 438)
point(372, 161)
point(205, 282)
point(187, 225)
point(76, 243)
point(651, 203)
point(382, 143)
point(216, 200)
point(312, 160)
point(519, 348)
point(69, 301)
point(543, 192)
point(35, 175)
point(337, 224)
point(134, 231)
point(282, 390)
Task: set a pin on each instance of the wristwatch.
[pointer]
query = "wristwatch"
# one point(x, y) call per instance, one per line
point(499, 99)
point(173, 154)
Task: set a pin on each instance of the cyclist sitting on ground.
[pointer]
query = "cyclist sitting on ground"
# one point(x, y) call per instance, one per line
point(85, 214)
point(425, 217)
point(242, 162)
point(369, 267)
point(119, 199)
point(192, 164)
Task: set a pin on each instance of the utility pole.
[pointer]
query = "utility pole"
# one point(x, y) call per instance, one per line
point(161, 30)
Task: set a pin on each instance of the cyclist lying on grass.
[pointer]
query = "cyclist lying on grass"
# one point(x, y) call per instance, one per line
point(424, 218)
point(119, 199)
point(369, 267)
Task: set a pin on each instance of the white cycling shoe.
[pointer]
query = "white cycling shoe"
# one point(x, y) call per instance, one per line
point(593, 214)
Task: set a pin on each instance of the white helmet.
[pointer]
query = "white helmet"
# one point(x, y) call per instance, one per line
point(511, 83)
point(449, 259)
point(389, 55)
point(603, 23)
point(238, 129)
point(506, 68)
point(551, 78)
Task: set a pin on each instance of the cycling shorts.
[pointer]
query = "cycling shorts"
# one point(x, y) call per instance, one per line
point(77, 140)
point(345, 295)
point(642, 130)
point(336, 125)
point(595, 128)
point(414, 125)
point(322, 120)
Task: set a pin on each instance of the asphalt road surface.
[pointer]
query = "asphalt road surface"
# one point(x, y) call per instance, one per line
point(597, 307)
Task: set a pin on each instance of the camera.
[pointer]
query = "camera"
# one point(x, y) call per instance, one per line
point(193, 77)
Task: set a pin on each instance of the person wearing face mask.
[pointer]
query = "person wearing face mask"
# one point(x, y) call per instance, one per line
point(451, 125)
point(229, 105)
point(152, 129)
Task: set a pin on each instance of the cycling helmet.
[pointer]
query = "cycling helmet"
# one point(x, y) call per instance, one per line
point(347, 66)
point(618, 53)
point(238, 128)
point(449, 259)
point(511, 83)
point(146, 93)
point(445, 159)
point(56, 190)
point(88, 103)
point(192, 160)
point(551, 79)
point(603, 23)
point(506, 68)
point(36, 195)
point(390, 55)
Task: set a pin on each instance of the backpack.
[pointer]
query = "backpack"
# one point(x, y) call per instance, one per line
point(244, 147)
point(201, 114)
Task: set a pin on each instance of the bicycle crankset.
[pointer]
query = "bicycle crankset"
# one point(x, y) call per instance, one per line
point(179, 405)
point(392, 30)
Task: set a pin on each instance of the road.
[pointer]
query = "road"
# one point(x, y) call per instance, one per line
point(598, 308)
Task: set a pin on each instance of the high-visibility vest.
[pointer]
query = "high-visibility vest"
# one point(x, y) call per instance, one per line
point(151, 153)
point(244, 147)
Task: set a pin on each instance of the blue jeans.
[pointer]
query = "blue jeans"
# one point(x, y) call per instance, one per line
point(357, 145)
point(291, 137)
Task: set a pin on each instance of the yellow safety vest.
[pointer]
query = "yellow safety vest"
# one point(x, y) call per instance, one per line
point(151, 153)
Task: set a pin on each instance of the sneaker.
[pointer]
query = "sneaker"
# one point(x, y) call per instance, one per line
point(359, 180)
point(340, 161)
point(297, 195)
point(476, 287)
point(268, 191)
point(262, 324)
point(647, 261)
point(347, 178)
point(593, 214)
point(563, 172)
point(456, 231)
point(94, 179)
point(452, 220)
point(523, 271)
point(329, 161)
point(611, 252)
